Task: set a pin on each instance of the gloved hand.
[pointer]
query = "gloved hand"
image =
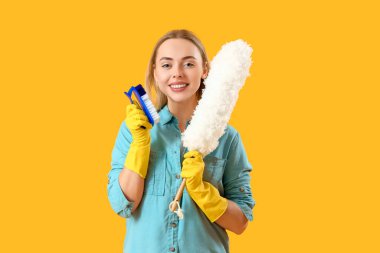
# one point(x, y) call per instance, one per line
point(138, 155)
point(203, 193)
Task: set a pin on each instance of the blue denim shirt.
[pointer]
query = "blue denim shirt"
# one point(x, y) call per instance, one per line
point(152, 227)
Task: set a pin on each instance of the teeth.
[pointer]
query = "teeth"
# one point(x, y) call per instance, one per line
point(177, 86)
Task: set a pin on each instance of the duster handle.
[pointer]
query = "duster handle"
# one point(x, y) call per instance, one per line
point(179, 194)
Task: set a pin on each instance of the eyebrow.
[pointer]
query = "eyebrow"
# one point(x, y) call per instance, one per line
point(184, 58)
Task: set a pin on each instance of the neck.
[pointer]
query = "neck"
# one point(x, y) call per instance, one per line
point(183, 110)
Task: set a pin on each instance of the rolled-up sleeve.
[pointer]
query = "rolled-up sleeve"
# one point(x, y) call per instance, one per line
point(236, 178)
point(119, 203)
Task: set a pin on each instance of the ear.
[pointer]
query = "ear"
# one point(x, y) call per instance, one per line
point(205, 72)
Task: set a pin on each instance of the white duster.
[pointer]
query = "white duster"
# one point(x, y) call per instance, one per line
point(228, 71)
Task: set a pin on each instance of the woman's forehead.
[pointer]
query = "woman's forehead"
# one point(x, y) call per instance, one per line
point(177, 49)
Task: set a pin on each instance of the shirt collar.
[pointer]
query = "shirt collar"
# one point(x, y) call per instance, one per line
point(165, 115)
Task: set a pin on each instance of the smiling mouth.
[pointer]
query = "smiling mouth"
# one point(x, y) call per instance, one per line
point(178, 86)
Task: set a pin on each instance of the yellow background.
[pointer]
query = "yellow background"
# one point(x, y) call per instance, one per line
point(308, 116)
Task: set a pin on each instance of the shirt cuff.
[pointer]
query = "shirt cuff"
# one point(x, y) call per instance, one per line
point(119, 203)
point(242, 196)
point(246, 210)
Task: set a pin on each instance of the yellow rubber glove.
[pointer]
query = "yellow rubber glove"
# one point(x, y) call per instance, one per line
point(205, 195)
point(138, 155)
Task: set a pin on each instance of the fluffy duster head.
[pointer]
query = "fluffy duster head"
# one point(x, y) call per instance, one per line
point(228, 71)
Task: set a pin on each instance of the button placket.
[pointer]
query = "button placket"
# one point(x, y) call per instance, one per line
point(172, 224)
point(173, 239)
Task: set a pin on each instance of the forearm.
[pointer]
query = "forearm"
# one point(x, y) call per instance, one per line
point(132, 186)
point(233, 219)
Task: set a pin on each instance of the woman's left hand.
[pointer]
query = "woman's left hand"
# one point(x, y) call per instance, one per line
point(203, 193)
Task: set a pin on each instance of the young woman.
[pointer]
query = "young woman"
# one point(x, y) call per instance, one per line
point(147, 166)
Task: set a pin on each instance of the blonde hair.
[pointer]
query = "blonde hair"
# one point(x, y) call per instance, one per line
point(161, 99)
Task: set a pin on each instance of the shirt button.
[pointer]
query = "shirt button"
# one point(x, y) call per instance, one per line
point(173, 225)
point(241, 189)
point(172, 249)
point(178, 176)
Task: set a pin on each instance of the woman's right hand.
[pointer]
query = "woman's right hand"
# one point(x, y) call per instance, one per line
point(138, 154)
point(138, 124)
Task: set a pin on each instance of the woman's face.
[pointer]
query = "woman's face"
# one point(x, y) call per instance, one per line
point(178, 69)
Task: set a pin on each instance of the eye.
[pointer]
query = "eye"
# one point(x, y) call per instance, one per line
point(165, 65)
point(189, 64)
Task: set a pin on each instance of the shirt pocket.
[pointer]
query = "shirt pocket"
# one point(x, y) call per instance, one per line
point(214, 169)
point(155, 179)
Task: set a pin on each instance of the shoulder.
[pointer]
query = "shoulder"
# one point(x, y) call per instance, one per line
point(230, 134)
point(227, 142)
point(124, 132)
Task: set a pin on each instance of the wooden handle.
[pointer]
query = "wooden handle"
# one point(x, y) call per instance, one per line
point(179, 194)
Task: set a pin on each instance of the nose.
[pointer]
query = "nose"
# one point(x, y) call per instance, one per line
point(177, 71)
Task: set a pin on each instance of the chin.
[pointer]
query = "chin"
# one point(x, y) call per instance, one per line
point(178, 98)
